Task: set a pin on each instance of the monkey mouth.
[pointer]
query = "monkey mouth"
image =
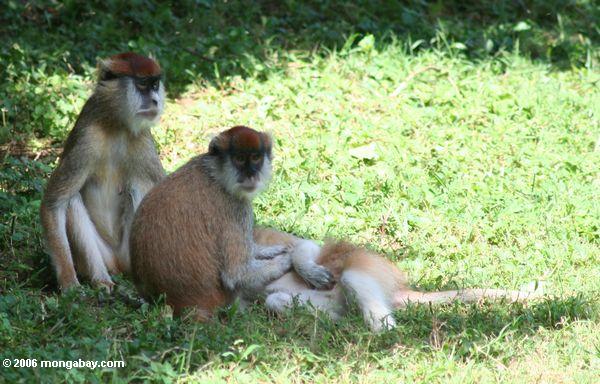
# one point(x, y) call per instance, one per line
point(248, 188)
point(248, 185)
point(148, 113)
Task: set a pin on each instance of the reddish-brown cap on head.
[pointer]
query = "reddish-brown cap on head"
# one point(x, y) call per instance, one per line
point(240, 138)
point(131, 64)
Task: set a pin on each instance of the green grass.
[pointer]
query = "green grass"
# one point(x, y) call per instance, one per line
point(465, 167)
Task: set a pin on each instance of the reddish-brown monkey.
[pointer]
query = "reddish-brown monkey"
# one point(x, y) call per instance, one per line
point(108, 163)
point(191, 238)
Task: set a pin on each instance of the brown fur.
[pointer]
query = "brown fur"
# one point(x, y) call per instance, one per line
point(270, 237)
point(192, 241)
point(241, 138)
point(376, 283)
point(175, 239)
point(133, 64)
point(104, 170)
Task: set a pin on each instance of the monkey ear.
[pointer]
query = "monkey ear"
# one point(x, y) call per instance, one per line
point(104, 70)
point(215, 148)
point(267, 141)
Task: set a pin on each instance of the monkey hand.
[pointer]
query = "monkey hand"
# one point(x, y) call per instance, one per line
point(284, 261)
point(270, 252)
point(317, 276)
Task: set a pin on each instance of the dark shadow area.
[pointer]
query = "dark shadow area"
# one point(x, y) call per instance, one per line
point(460, 330)
point(430, 327)
point(214, 40)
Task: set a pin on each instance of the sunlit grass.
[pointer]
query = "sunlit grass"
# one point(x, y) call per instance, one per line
point(465, 173)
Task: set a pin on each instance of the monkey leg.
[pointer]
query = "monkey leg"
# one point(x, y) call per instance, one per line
point(90, 249)
point(279, 301)
point(371, 298)
point(123, 256)
point(330, 302)
point(290, 283)
point(55, 230)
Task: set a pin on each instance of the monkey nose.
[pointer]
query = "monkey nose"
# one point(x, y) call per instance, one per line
point(248, 181)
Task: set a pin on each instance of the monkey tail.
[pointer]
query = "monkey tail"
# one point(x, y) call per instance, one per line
point(403, 298)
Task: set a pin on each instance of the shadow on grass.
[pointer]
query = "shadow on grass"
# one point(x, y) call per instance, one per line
point(464, 328)
point(146, 333)
point(91, 325)
point(214, 40)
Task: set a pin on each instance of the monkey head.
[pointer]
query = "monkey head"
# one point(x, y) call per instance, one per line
point(133, 84)
point(242, 160)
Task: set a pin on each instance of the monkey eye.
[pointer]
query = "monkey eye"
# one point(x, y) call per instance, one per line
point(238, 160)
point(154, 84)
point(255, 157)
point(143, 83)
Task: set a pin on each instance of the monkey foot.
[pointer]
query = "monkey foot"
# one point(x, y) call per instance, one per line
point(319, 277)
point(105, 284)
point(279, 301)
point(68, 285)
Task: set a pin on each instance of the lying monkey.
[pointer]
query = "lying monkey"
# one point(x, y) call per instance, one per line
point(376, 284)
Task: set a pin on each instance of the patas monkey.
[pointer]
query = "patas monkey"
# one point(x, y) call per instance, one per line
point(376, 284)
point(191, 238)
point(108, 164)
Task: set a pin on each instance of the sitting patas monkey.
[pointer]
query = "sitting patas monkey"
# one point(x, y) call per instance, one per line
point(376, 284)
point(108, 164)
point(191, 238)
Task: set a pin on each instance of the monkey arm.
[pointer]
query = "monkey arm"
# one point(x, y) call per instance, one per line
point(304, 255)
point(152, 166)
point(265, 252)
point(64, 183)
point(242, 272)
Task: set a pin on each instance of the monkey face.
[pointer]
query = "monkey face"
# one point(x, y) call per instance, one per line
point(243, 160)
point(145, 99)
point(132, 85)
point(247, 173)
